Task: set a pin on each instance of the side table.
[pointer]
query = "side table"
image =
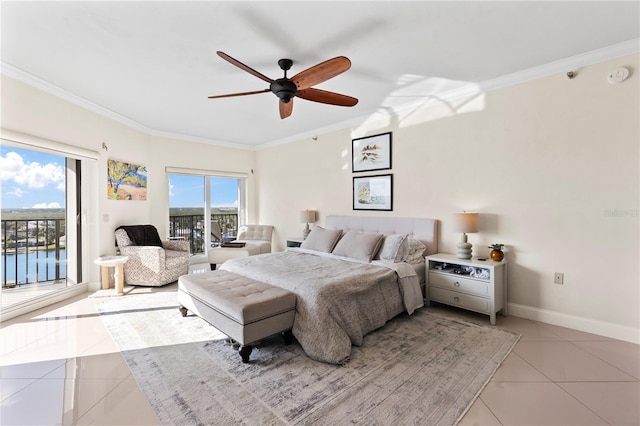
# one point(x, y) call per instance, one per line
point(476, 285)
point(294, 242)
point(116, 262)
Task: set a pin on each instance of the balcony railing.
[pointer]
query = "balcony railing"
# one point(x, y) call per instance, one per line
point(33, 252)
point(191, 228)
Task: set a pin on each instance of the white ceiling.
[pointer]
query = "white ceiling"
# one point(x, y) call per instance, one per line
point(153, 64)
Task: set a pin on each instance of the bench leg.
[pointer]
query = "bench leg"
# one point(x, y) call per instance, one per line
point(288, 337)
point(245, 352)
point(183, 311)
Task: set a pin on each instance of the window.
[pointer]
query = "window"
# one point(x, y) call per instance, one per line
point(41, 220)
point(194, 197)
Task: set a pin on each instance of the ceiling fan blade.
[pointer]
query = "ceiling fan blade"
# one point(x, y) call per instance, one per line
point(239, 94)
point(285, 109)
point(326, 97)
point(321, 72)
point(244, 67)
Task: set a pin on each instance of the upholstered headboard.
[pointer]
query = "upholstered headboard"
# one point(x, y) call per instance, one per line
point(424, 230)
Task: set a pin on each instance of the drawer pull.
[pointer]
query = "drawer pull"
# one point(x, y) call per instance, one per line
point(456, 299)
point(456, 284)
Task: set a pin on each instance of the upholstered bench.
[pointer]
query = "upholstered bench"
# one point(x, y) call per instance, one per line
point(245, 310)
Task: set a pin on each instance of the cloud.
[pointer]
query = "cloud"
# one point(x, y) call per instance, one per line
point(53, 205)
point(17, 192)
point(33, 174)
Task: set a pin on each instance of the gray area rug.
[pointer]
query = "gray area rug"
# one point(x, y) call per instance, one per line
point(420, 369)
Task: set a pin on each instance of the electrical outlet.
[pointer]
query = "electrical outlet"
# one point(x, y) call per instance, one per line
point(558, 278)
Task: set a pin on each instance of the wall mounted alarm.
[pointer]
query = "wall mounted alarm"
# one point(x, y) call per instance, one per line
point(618, 75)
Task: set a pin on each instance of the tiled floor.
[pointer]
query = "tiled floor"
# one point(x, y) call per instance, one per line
point(59, 365)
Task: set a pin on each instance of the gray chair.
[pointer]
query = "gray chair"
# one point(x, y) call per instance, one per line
point(256, 239)
point(152, 262)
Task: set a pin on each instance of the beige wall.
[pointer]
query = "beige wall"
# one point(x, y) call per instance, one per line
point(552, 165)
point(31, 111)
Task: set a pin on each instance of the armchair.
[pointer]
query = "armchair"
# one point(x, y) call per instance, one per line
point(152, 262)
point(257, 239)
point(256, 235)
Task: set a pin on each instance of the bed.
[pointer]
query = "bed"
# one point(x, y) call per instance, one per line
point(346, 284)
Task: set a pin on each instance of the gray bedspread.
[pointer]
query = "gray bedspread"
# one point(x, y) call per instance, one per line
point(338, 301)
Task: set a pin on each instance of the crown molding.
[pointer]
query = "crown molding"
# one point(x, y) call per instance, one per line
point(198, 139)
point(34, 81)
point(628, 47)
point(557, 67)
point(561, 66)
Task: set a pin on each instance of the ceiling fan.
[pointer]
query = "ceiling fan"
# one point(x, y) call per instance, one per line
point(300, 84)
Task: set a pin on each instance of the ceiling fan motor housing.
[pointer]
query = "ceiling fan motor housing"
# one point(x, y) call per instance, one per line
point(284, 89)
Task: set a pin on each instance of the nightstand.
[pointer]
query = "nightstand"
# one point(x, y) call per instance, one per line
point(294, 242)
point(472, 284)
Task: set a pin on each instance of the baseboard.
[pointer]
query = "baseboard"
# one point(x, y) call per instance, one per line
point(41, 302)
point(588, 325)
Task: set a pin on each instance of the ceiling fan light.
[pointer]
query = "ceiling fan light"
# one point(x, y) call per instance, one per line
point(284, 89)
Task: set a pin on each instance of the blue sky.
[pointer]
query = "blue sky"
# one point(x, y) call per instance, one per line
point(33, 179)
point(188, 191)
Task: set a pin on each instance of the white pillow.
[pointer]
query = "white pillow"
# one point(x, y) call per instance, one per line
point(416, 252)
point(394, 248)
point(358, 245)
point(320, 239)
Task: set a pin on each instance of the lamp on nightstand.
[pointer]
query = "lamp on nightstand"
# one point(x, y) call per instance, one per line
point(467, 223)
point(307, 217)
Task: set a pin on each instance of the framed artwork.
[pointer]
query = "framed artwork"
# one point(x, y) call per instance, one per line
point(371, 153)
point(373, 192)
point(126, 181)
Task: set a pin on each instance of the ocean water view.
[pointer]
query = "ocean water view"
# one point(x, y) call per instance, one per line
point(31, 267)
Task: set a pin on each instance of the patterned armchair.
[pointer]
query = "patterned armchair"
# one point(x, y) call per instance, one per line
point(152, 262)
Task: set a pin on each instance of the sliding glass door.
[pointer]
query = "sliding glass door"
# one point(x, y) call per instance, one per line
point(205, 209)
point(41, 223)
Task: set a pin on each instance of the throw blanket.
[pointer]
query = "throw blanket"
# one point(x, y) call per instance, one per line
point(142, 235)
point(338, 301)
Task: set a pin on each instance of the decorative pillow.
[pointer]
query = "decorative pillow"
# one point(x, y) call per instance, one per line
point(416, 252)
point(394, 248)
point(320, 239)
point(358, 245)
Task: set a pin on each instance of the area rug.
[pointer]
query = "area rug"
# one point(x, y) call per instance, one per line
point(420, 369)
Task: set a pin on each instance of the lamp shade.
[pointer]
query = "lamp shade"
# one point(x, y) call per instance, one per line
point(465, 222)
point(307, 216)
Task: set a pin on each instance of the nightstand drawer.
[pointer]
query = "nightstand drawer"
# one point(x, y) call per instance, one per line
point(461, 300)
point(458, 283)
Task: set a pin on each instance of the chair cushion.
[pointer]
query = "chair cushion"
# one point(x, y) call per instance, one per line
point(263, 246)
point(255, 232)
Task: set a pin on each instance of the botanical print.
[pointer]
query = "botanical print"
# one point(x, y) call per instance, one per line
point(126, 181)
point(371, 153)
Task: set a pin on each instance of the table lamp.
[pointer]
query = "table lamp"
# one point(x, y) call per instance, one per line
point(307, 217)
point(467, 223)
